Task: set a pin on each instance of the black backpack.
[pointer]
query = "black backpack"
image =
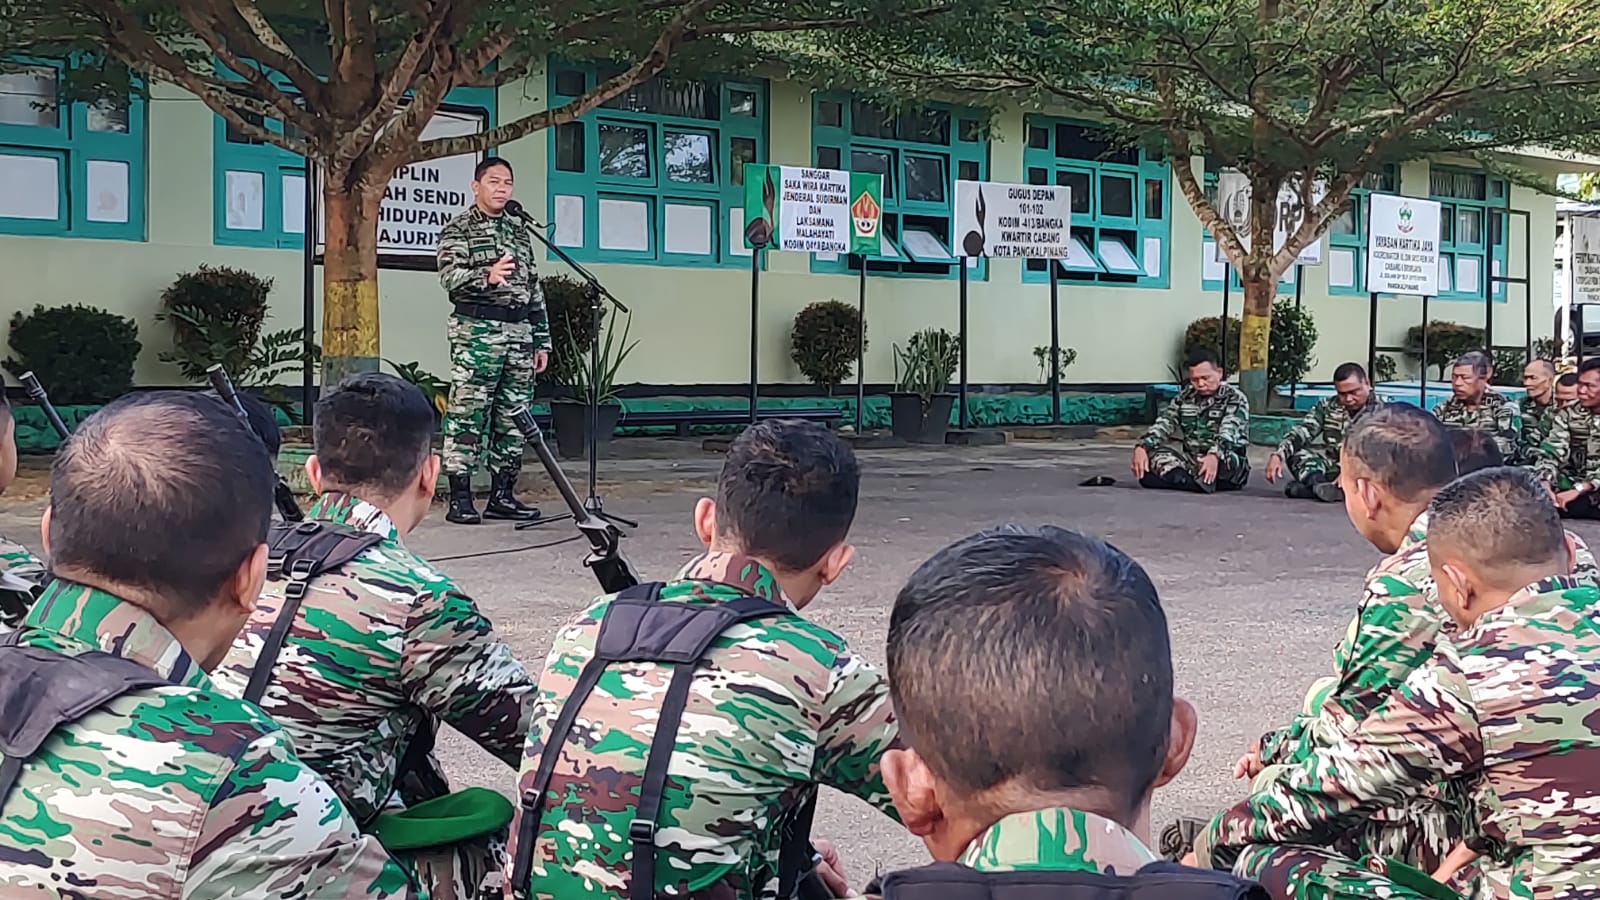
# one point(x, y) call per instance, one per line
point(1156, 881)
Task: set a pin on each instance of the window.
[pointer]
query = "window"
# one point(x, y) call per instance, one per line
point(70, 169)
point(259, 189)
point(1121, 207)
point(920, 154)
point(655, 175)
point(1472, 231)
point(1347, 234)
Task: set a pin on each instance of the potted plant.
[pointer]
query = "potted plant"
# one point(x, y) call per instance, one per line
point(919, 409)
point(570, 413)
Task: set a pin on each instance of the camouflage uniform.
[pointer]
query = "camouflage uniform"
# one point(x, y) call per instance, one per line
point(1568, 456)
point(1311, 448)
point(1494, 414)
point(1510, 701)
point(16, 559)
point(172, 792)
point(1537, 420)
point(1193, 426)
point(778, 705)
point(491, 362)
point(1057, 840)
point(377, 646)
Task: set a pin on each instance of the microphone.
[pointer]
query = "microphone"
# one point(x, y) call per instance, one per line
point(515, 208)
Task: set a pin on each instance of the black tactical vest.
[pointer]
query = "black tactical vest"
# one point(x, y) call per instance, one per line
point(1156, 881)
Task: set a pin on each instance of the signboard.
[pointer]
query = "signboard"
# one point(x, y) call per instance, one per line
point(1583, 258)
point(1013, 221)
point(422, 197)
point(1402, 246)
point(1233, 204)
point(812, 210)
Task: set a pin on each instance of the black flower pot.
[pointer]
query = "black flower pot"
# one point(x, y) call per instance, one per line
point(914, 423)
point(571, 422)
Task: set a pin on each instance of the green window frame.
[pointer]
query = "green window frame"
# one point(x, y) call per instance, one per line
point(920, 154)
point(1121, 204)
point(90, 151)
point(661, 167)
point(243, 167)
point(1472, 230)
point(1347, 233)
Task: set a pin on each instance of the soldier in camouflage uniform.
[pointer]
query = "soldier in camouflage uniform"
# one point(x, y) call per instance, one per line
point(1406, 458)
point(15, 559)
point(1002, 771)
point(1311, 448)
point(1508, 702)
point(386, 646)
point(1475, 405)
point(1538, 409)
point(1200, 442)
point(499, 340)
point(175, 790)
point(777, 705)
point(1568, 459)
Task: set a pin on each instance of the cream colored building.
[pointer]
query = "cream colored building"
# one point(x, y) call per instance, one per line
point(107, 210)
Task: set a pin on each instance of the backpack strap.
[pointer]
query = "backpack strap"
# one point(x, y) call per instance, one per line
point(302, 550)
point(636, 628)
point(42, 690)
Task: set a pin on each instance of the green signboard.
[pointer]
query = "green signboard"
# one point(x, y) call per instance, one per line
point(812, 210)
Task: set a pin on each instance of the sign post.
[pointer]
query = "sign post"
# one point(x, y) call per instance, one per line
point(1403, 258)
point(808, 211)
point(1013, 221)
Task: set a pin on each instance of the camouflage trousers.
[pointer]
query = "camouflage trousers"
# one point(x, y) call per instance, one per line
point(1310, 466)
point(1173, 468)
point(491, 374)
point(1293, 872)
point(456, 871)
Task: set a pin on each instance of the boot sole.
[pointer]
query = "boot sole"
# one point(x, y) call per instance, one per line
point(511, 517)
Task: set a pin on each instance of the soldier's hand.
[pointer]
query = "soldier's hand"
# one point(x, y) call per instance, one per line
point(501, 268)
point(831, 870)
point(1565, 497)
point(1249, 765)
point(1208, 467)
point(1274, 469)
point(1460, 857)
point(541, 360)
point(1141, 462)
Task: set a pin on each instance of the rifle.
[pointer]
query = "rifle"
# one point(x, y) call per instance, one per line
point(615, 574)
point(31, 384)
point(281, 494)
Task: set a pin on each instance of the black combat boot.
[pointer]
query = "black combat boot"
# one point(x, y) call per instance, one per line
point(1325, 489)
point(462, 511)
point(503, 505)
point(1299, 490)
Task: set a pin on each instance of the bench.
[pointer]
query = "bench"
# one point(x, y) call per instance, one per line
point(683, 419)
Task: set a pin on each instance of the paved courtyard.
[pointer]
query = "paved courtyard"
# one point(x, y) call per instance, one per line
point(1257, 588)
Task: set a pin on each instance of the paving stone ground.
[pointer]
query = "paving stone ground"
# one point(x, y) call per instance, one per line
point(1257, 588)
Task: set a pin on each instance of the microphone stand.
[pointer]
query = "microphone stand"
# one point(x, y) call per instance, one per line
point(594, 291)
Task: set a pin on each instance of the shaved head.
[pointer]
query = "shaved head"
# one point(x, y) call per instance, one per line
point(1500, 523)
point(1544, 367)
point(164, 492)
point(1403, 448)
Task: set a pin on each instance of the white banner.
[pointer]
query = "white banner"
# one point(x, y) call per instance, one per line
point(1583, 258)
point(1402, 246)
point(813, 210)
point(423, 196)
point(1233, 204)
point(1012, 221)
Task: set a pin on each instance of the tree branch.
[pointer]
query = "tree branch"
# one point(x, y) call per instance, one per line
point(396, 83)
point(210, 28)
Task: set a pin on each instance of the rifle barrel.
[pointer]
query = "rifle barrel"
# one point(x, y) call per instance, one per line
point(30, 383)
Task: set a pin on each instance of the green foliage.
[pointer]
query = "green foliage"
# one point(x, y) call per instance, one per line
point(1548, 348)
point(436, 389)
point(567, 304)
point(1207, 333)
point(1290, 345)
point(1510, 361)
point(928, 362)
point(81, 354)
point(1446, 342)
point(1384, 368)
point(1041, 355)
point(216, 316)
point(579, 381)
point(827, 339)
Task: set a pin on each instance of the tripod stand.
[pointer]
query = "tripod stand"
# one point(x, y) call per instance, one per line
point(592, 293)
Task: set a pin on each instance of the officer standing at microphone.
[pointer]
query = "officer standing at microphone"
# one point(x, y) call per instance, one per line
point(499, 340)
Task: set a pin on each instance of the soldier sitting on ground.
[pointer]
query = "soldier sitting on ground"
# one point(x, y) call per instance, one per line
point(1201, 441)
point(383, 646)
point(1474, 404)
point(1508, 701)
point(1537, 407)
point(1032, 674)
point(1311, 448)
point(165, 787)
point(1568, 459)
point(770, 704)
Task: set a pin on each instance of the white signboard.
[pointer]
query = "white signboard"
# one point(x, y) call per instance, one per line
point(1013, 221)
point(1583, 258)
point(423, 196)
point(1402, 246)
point(1233, 204)
point(813, 210)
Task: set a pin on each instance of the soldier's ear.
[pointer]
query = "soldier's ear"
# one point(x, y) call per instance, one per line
point(705, 520)
point(915, 791)
point(1180, 740)
point(428, 480)
point(44, 530)
point(248, 581)
point(314, 473)
point(1572, 553)
point(835, 561)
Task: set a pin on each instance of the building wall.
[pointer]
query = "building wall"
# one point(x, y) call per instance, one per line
point(693, 323)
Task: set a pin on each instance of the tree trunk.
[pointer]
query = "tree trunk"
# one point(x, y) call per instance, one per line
point(350, 284)
point(1254, 331)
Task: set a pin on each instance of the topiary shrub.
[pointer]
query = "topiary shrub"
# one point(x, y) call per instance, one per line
point(80, 353)
point(1207, 333)
point(1289, 343)
point(1508, 365)
point(1384, 368)
point(566, 302)
point(826, 340)
point(216, 315)
point(1446, 341)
